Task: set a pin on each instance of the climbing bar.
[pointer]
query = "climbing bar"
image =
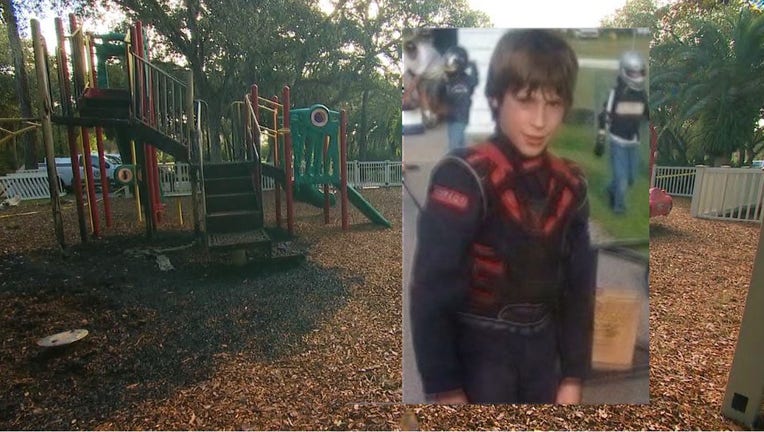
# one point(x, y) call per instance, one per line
point(262, 99)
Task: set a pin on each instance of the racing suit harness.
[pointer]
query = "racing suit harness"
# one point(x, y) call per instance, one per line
point(518, 255)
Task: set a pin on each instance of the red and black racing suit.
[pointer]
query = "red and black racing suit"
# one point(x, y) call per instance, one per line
point(503, 279)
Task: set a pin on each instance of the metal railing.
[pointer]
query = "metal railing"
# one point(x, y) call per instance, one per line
point(175, 179)
point(159, 100)
point(676, 181)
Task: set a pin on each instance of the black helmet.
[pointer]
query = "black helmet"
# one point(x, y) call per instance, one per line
point(456, 60)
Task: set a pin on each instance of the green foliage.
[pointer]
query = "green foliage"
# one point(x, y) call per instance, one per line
point(339, 58)
point(633, 14)
point(706, 84)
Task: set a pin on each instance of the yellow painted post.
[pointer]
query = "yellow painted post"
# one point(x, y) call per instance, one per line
point(135, 183)
point(180, 211)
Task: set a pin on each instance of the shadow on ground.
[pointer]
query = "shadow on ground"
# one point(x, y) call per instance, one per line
point(151, 332)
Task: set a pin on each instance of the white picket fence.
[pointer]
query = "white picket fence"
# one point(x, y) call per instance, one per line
point(728, 194)
point(26, 184)
point(725, 193)
point(175, 179)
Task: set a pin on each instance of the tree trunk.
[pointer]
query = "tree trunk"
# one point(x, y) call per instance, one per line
point(28, 140)
point(362, 137)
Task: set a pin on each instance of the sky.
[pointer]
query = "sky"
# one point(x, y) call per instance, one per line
point(547, 13)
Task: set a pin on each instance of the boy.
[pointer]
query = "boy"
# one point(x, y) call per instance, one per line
point(503, 283)
point(457, 89)
point(622, 115)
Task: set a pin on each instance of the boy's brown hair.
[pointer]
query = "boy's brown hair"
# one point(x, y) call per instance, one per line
point(536, 59)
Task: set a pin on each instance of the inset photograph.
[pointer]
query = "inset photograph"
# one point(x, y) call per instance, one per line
point(526, 158)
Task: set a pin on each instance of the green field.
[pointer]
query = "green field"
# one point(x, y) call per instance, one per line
point(607, 47)
point(577, 143)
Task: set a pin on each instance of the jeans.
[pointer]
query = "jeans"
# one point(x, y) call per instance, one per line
point(456, 135)
point(624, 160)
point(509, 362)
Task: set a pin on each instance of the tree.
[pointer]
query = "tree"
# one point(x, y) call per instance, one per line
point(634, 14)
point(340, 58)
point(29, 141)
point(708, 80)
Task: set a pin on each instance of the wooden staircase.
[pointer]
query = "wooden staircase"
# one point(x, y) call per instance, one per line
point(234, 208)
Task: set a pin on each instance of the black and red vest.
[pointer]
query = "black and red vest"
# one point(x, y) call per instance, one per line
point(519, 252)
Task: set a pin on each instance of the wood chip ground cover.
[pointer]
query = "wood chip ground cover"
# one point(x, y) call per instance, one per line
point(313, 346)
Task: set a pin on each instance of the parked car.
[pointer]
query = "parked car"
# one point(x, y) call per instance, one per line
point(757, 164)
point(590, 33)
point(66, 175)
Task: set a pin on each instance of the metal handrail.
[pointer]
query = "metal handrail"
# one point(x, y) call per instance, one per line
point(158, 99)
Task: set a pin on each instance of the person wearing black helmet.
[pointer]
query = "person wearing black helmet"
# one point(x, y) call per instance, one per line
point(619, 122)
point(456, 93)
point(502, 288)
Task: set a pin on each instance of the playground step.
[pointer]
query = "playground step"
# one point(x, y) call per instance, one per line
point(238, 239)
point(229, 185)
point(232, 202)
point(228, 169)
point(234, 221)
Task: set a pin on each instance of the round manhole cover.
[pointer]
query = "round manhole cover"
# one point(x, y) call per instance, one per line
point(62, 338)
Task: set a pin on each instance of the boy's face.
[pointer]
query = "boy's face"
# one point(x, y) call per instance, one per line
point(531, 119)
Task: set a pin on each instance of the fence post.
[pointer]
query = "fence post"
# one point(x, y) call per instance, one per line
point(387, 173)
point(653, 173)
point(357, 173)
point(697, 190)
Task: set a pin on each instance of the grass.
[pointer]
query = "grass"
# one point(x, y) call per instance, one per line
point(577, 143)
point(606, 47)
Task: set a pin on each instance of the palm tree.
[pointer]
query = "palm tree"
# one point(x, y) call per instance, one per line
point(710, 83)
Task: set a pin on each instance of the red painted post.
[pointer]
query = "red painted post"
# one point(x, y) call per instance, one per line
point(147, 114)
point(80, 78)
point(288, 168)
point(344, 167)
point(71, 133)
point(99, 142)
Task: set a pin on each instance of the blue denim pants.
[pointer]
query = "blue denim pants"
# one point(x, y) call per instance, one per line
point(456, 135)
point(508, 362)
point(624, 160)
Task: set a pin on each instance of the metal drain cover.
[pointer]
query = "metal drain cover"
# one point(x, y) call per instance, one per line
point(63, 338)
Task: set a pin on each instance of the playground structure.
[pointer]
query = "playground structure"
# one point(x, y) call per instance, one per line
point(157, 111)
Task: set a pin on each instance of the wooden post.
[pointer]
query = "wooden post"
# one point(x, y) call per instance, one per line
point(71, 132)
point(745, 387)
point(288, 166)
point(277, 159)
point(193, 140)
point(325, 172)
point(45, 107)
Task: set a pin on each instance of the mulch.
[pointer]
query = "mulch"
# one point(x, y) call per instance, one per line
point(312, 345)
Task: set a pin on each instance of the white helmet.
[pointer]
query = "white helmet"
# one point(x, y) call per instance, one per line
point(632, 70)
